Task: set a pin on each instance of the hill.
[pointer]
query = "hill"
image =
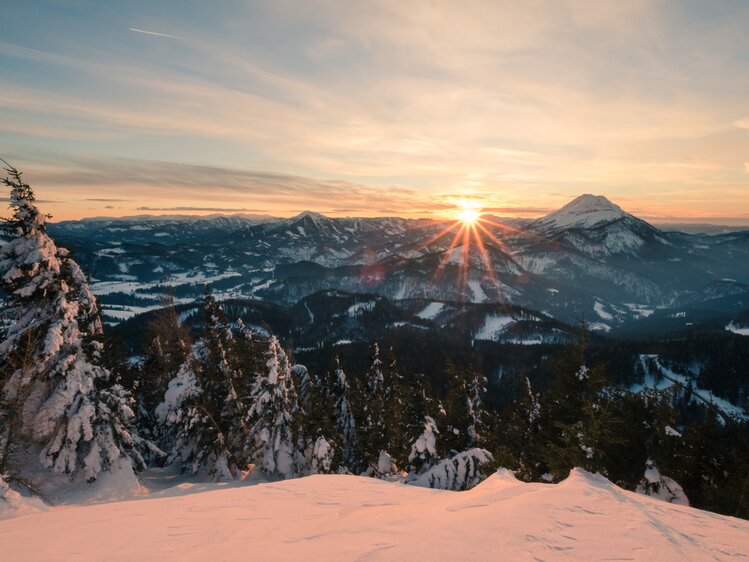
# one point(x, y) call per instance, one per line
point(336, 517)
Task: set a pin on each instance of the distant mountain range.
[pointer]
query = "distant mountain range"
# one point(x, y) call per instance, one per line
point(589, 260)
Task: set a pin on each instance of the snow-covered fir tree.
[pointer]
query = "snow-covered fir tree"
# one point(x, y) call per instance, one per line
point(460, 472)
point(273, 443)
point(65, 413)
point(345, 424)
point(476, 410)
point(323, 457)
point(372, 425)
point(575, 421)
point(424, 450)
point(202, 412)
point(167, 347)
point(662, 487)
point(321, 442)
point(464, 419)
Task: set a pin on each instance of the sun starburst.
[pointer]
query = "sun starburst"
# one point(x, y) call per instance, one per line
point(475, 236)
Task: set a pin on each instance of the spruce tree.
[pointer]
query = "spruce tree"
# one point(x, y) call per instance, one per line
point(518, 436)
point(273, 418)
point(166, 347)
point(345, 424)
point(64, 414)
point(413, 407)
point(423, 454)
point(372, 426)
point(202, 412)
point(577, 419)
point(464, 411)
point(323, 444)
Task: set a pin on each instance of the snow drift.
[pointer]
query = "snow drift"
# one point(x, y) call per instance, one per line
point(334, 517)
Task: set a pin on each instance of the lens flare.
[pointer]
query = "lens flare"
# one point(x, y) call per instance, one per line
point(476, 238)
point(468, 216)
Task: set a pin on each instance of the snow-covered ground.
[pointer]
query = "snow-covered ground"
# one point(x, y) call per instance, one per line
point(736, 329)
point(337, 518)
point(668, 378)
point(431, 311)
point(493, 327)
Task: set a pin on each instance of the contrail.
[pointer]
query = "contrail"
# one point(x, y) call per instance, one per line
point(153, 33)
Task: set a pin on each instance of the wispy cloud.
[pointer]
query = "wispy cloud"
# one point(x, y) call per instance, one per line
point(527, 106)
point(203, 209)
point(154, 33)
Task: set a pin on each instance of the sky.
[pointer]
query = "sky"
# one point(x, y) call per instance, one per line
point(388, 107)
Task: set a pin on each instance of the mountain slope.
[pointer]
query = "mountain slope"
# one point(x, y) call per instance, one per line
point(589, 256)
point(339, 517)
point(597, 227)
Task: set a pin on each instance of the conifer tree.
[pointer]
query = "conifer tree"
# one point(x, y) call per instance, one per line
point(322, 442)
point(576, 421)
point(63, 411)
point(423, 455)
point(345, 424)
point(202, 410)
point(274, 444)
point(412, 408)
point(520, 445)
point(167, 346)
point(372, 427)
point(464, 411)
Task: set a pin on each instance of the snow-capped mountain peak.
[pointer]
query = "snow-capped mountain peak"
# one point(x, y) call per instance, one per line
point(311, 215)
point(585, 211)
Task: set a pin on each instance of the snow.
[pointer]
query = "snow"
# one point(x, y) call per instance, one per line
point(478, 294)
point(601, 311)
point(493, 326)
point(110, 252)
point(585, 211)
point(599, 327)
point(359, 308)
point(656, 485)
point(124, 312)
point(108, 287)
point(339, 517)
point(431, 311)
point(736, 329)
point(670, 378)
point(640, 310)
point(14, 504)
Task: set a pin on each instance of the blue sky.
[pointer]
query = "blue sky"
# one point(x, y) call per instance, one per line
point(372, 108)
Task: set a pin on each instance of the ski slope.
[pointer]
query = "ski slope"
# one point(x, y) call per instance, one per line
point(342, 518)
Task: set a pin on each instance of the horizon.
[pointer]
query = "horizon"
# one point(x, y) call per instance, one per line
point(377, 108)
point(185, 213)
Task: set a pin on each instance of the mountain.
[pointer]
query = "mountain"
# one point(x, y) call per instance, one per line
point(161, 229)
point(585, 211)
point(588, 260)
point(598, 228)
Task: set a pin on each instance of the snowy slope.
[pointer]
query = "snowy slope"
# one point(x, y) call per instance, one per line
point(585, 211)
point(332, 518)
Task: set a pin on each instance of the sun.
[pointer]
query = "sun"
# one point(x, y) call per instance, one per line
point(468, 216)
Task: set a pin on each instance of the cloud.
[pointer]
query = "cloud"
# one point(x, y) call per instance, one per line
point(203, 209)
point(529, 100)
point(154, 33)
point(746, 167)
point(520, 210)
point(105, 200)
